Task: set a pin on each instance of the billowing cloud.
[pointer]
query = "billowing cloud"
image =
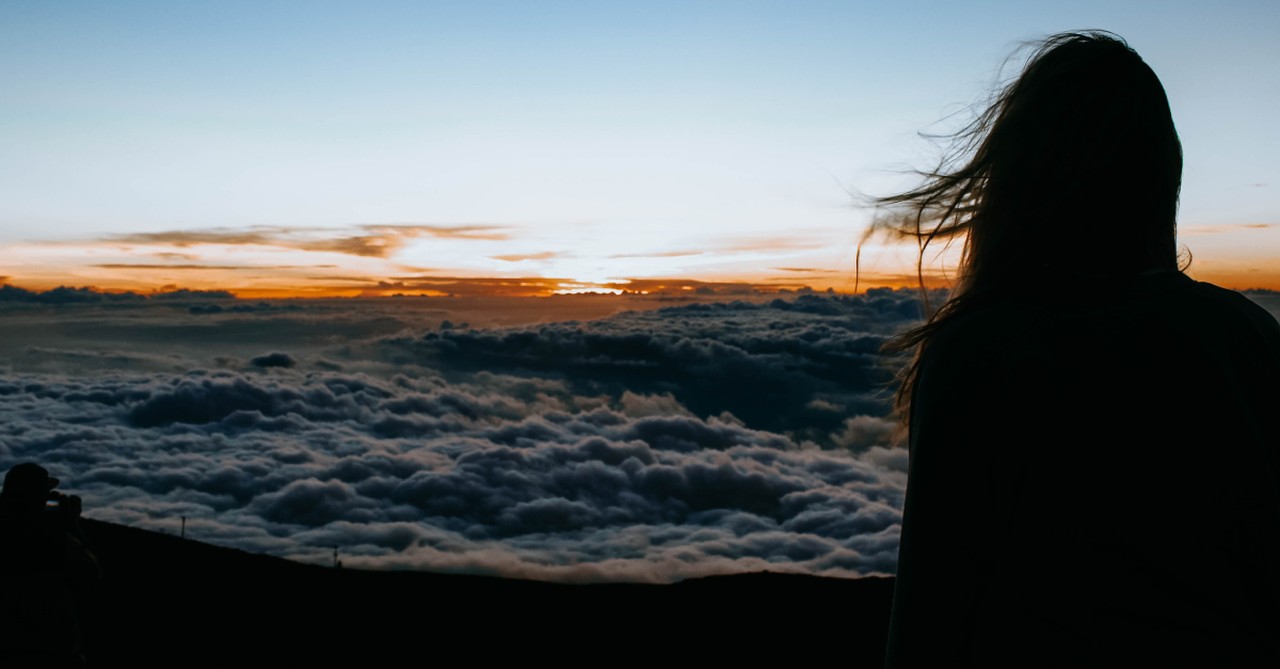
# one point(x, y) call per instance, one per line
point(63, 295)
point(765, 363)
point(88, 295)
point(275, 359)
point(650, 446)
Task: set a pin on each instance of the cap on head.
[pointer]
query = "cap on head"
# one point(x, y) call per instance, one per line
point(28, 480)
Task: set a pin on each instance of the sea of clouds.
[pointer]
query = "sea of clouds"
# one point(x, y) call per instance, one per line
point(647, 446)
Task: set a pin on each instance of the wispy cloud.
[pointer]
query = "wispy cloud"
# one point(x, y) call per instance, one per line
point(520, 257)
point(470, 286)
point(487, 232)
point(369, 241)
point(1225, 228)
point(200, 267)
point(115, 265)
point(728, 246)
point(543, 286)
point(678, 286)
point(770, 243)
point(664, 254)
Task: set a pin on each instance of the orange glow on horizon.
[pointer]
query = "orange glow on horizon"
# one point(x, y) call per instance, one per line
point(274, 263)
point(474, 260)
point(472, 286)
point(481, 286)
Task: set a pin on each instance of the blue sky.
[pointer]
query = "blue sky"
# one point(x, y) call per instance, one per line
point(607, 140)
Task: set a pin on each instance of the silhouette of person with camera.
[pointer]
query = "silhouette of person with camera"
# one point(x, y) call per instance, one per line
point(46, 567)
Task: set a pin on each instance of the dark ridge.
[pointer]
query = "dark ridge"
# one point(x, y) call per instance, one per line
point(165, 601)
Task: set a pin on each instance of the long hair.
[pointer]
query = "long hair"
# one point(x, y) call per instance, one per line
point(1070, 176)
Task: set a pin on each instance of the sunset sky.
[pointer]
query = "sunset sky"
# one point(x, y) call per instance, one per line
point(353, 148)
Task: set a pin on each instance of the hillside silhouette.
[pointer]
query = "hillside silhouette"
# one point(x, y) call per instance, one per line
point(172, 602)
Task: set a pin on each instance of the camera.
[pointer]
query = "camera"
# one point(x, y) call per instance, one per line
point(66, 506)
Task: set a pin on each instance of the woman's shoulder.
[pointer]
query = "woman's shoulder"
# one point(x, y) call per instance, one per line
point(1223, 302)
point(1070, 332)
point(1215, 318)
point(1033, 312)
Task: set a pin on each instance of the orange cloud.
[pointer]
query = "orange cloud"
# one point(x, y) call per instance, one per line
point(736, 245)
point(667, 254)
point(179, 267)
point(545, 286)
point(677, 286)
point(468, 286)
point(773, 243)
point(233, 268)
point(486, 232)
point(518, 257)
point(1228, 227)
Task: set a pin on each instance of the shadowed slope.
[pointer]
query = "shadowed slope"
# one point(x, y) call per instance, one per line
point(167, 601)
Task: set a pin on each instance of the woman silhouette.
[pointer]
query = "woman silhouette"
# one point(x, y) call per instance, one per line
point(1095, 464)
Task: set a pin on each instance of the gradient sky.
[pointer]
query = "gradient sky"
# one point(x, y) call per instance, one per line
point(327, 147)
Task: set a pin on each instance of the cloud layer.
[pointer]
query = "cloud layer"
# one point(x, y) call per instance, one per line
point(650, 446)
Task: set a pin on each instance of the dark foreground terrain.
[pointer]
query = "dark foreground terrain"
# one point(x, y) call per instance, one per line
point(169, 602)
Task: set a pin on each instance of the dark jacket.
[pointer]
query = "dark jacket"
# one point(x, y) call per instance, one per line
point(1095, 481)
point(45, 568)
